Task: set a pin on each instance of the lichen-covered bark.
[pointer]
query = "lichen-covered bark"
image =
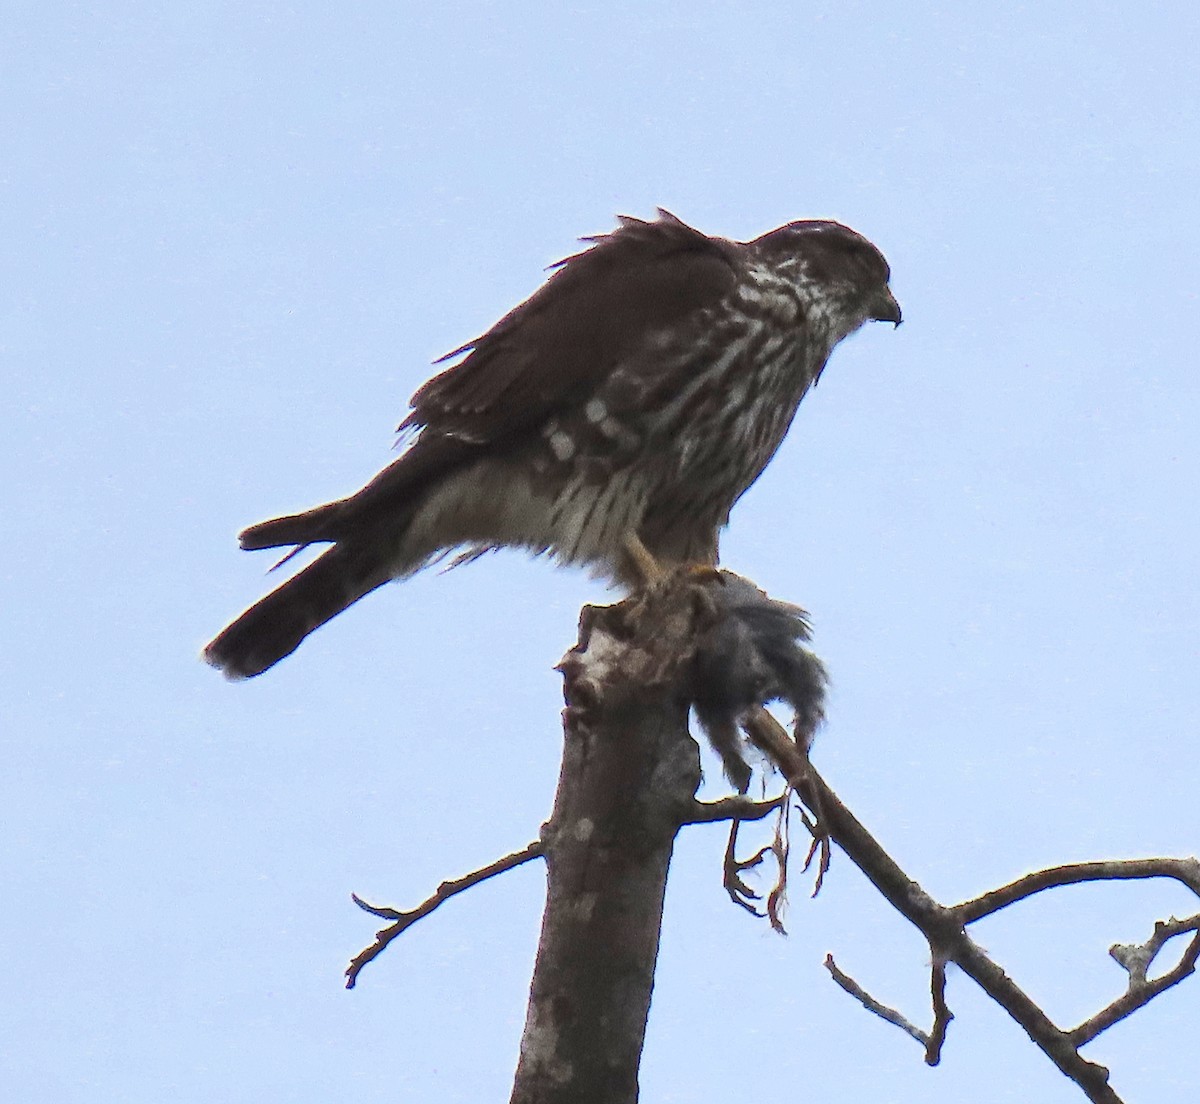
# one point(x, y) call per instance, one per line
point(629, 775)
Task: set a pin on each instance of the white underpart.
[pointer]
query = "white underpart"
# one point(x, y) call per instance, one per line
point(588, 519)
point(492, 505)
point(484, 506)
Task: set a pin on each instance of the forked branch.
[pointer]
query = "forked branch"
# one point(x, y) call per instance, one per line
point(945, 927)
point(402, 921)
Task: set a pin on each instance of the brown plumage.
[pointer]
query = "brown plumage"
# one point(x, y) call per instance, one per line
point(635, 395)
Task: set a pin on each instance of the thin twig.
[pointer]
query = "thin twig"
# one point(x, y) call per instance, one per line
point(872, 1005)
point(405, 920)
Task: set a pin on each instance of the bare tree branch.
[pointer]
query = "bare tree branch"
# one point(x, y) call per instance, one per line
point(872, 1005)
point(405, 920)
point(942, 927)
point(941, 1013)
point(1136, 961)
point(628, 781)
point(1186, 871)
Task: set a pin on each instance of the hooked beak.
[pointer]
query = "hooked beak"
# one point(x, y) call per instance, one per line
point(885, 308)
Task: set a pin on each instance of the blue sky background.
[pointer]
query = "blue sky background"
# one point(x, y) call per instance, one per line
point(232, 238)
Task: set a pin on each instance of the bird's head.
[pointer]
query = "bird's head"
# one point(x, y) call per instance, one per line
point(835, 269)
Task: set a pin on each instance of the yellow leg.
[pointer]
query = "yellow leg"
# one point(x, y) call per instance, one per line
point(648, 571)
point(645, 567)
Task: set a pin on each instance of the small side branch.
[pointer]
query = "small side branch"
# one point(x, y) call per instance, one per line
point(1136, 961)
point(737, 807)
point(872, 1005)
point(941, 1013)
point(932, 1041)
point(402, 921)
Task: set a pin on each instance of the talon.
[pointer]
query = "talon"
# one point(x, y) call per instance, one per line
point(645, 567)
point(739, 892)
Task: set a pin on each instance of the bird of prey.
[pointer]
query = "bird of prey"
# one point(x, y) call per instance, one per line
point(611, 420)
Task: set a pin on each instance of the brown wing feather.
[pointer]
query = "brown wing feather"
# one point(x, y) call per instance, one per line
point(558, 345)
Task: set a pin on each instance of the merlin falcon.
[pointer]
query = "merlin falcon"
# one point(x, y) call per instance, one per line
point(611, 420)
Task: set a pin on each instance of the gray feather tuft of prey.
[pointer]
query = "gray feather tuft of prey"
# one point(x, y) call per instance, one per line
point(751, 656)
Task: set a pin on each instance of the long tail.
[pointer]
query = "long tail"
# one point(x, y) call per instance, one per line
point(368, 531)
point(274, 627)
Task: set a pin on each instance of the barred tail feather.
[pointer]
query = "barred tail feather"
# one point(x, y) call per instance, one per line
point(275, 626)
